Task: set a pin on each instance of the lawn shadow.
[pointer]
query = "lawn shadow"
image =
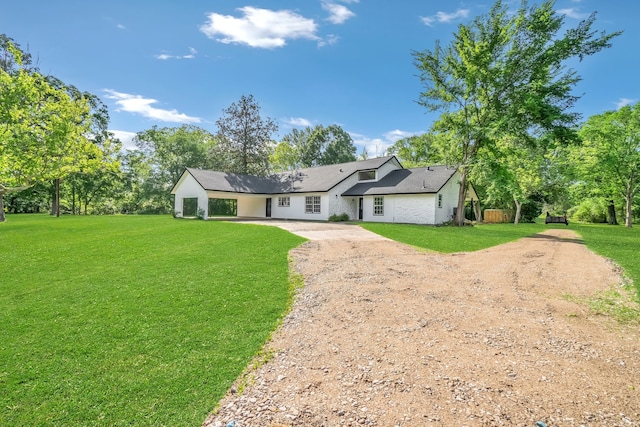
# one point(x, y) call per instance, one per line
point(557, 239)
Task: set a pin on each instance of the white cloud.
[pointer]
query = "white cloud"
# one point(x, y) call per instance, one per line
point(446, 17)
point(331, 39)
point(166, 56)
point(623, 102)
point(297, 122)
point(338, 14)
point(121, 27)
point(125, 137)
point(138, 105)
point(573, 13)
point(377, 147)
point(262, 28)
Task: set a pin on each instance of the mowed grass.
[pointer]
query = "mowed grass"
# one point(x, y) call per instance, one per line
point(132, 320)
point(619, 243)
point(449, 239)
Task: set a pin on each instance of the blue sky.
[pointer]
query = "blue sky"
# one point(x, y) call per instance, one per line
point(306, 62)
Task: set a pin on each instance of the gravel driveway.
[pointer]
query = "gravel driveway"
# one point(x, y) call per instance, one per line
point(385, 335)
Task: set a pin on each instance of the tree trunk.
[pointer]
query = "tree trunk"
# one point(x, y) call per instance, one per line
point(627, 215)
point(2, 217)
point(478, 212)
point(55, 205)
point(516, 219)
point(462, 196)
point(612, 214)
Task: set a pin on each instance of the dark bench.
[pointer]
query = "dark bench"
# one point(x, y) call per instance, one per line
point(556, 219)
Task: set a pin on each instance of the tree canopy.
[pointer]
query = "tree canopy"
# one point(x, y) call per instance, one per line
point(313, 146)
point(44, 127)
point(609, 159)
point(505, 75)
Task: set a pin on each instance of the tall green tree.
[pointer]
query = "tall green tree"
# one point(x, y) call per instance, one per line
point(510, 172)
point(416, 151)
point(505, 74)
point(167, 152)
point(43, 129)
point(609, 159)
point(315, 146)
point(336, 145)
point(244, 138)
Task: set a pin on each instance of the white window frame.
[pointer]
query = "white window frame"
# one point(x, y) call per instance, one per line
point(312, 204)
point(440, 200)
point(284, 201)
point(378, 206)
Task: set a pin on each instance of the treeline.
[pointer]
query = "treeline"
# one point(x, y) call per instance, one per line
point(57, 155)
point(502, 87)
point(139, 180)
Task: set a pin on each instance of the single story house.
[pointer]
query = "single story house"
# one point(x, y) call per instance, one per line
point(376, 190)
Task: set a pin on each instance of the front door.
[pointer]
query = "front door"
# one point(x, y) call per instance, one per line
point(360, 204)
point(268, 212)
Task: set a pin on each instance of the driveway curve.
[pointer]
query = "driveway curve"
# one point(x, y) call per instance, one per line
point(385, 335)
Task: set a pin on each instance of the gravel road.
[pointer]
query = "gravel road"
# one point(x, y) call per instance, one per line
point(383, 334)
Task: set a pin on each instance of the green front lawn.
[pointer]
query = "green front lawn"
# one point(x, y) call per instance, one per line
point(451, 239)
point(132, 320)
point(147, 320)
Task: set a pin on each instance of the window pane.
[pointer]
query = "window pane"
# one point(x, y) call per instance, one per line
point(189, 206)
point(284, 201)
point(312, 204)
point(378, 206)
point(366, 175)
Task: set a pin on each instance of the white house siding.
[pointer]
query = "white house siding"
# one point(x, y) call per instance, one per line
point(414, 209)
point(367, 209)
point(296, 209)
point(339, 205)
point(190, 188)
point(449, 200)
point(252, 206)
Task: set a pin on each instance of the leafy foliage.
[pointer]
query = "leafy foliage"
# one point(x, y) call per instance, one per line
point(503, 75)
point(609, 159)
point(311, 147)
point(416, 151)
point(44, 127)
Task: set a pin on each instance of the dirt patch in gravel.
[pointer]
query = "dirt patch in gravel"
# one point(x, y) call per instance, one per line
point(386, 335)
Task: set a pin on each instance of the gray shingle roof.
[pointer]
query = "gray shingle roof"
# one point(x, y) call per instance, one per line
point(316, 179)
point(233, 183)
point(405, 181)
point(324, 178)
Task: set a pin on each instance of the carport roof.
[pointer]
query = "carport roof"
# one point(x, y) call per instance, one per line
point(405, 181)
